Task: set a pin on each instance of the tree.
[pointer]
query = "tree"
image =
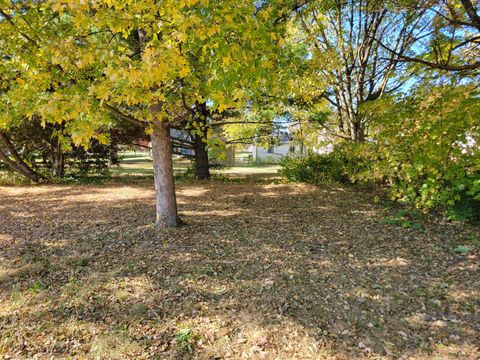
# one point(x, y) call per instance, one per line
point(450, 36)
point(14, 161)
point(202, 116)
point(74, 63)
point(51, 154)
point(346, 65)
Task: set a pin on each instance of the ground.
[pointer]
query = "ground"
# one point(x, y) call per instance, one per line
point(139, 163)
point(258, 270)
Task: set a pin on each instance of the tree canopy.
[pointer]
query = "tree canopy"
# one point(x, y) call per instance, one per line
point(228, 71)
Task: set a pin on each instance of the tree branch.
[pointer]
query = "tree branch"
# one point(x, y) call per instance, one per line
point(125, 117)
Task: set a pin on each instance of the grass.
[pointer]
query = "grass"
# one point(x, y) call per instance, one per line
point(140, 164)
point(257, 271)
point(252, 171)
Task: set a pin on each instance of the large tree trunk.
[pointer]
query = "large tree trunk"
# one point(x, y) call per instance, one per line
point(163, 175)
point(17, 164)
point(162, 148)
point(202, 166)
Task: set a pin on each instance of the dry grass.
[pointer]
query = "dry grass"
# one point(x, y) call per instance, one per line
point(258, 271)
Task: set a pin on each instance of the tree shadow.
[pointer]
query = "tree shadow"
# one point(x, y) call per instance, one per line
point(259, 270)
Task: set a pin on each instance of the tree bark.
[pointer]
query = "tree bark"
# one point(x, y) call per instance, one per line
point(166, 201)
point(202, 166)
point(17, 164)
point(58, 161)
point(59, 165)
point(163, 176)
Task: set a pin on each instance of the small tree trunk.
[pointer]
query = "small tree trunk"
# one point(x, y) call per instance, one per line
point(230, 161)
point(59, 166)
point(360, 130)
point(17, 164)
point(58, 161)
point(163, 176)
point(11, 164)
point(202, 166)
point(302, 140)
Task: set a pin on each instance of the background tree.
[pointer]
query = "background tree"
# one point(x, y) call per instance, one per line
point(10, 156)
point(450, 36)
point(52, 154)
point(346, 59)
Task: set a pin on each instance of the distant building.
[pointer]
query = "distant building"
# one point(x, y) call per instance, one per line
point(275, 153)
point(288, 146)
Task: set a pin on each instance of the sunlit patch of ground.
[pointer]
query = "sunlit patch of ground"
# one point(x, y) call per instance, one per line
point(245, 171)
point(257, 271)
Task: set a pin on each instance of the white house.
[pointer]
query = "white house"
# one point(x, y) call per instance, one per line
point(288, 146)
point(275, 153)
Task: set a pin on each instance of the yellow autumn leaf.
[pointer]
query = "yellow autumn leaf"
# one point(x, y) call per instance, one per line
point(222, 107)
point(184, 72)
point(102, 139)
point(226, 61)
point(237, 94)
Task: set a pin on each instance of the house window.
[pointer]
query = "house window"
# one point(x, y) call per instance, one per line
point(292, 149)
point(270, 149)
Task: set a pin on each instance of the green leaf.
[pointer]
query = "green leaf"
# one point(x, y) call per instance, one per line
point(462, 249)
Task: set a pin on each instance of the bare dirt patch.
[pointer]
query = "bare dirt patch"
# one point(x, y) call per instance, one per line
point(258, 271)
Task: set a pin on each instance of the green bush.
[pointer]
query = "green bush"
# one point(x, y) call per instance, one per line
point(9, 178)
point(342, 165)
point(424, 147)
point(187, 175)
point(427, 148)
point(464, 209)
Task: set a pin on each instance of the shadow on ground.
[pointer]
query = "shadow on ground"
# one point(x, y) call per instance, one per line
point(259, 271)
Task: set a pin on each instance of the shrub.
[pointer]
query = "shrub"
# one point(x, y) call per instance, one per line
point(427, 147)
point(464, 209)
point(187, 175)
point(342, 165)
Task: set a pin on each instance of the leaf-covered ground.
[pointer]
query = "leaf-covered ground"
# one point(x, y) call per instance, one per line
point(258, 271)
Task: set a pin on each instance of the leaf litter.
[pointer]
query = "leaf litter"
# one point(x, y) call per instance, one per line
point(258, 271)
